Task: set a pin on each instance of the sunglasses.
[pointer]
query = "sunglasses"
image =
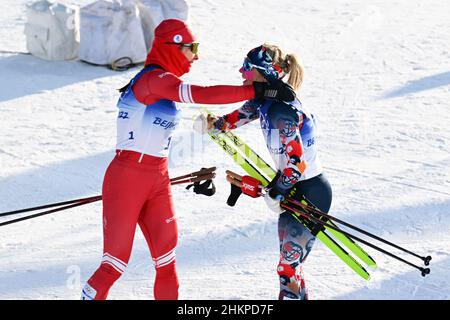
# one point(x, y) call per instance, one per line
point(193, 46)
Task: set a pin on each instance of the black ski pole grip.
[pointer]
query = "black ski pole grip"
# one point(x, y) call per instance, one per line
point(234, 195)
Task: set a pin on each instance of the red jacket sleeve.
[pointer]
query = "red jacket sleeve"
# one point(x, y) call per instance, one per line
point(158, 84)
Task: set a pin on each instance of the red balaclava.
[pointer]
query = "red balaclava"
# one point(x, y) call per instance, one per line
point(169, 56)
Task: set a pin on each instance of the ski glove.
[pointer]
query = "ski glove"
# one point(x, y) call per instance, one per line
point(204, 123)
point(274, 196)
point(273, 204)
point(275, 90)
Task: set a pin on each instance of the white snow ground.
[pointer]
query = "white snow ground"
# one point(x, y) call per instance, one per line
point(378, 78)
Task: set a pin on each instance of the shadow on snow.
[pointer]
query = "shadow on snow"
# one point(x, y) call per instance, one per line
point(426, 83)
point(24, 75)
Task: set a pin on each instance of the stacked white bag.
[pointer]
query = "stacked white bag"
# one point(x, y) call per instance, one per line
point(101, 32)
point(111, 30)
point(115, 29)
point(152, 12)
point(52, 30)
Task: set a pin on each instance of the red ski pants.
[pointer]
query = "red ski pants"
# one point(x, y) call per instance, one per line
point(136, 190)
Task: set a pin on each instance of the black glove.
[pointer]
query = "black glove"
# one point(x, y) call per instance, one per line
point(275, 90)
point(273, 191)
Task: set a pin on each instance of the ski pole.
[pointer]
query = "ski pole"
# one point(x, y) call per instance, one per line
point(313, 210)
point(201, 172)
point(48, 212)
point(193, 177)
point(235, 178)
point(87, 200)
point(424, 271)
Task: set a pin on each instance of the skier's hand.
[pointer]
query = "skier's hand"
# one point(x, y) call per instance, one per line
point(273, 202)
point(211, 120)
point(203, 124)
point(275, 90)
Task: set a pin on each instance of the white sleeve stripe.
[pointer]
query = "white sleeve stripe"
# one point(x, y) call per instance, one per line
point(190, 94)
point(180, 90)
point(185, 92)
point(182, 93)
point(185, 95)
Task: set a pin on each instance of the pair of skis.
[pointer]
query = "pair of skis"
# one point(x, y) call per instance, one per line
point(319, 223)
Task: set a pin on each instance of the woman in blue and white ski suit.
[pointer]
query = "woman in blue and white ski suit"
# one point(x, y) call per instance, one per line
point(290, 134)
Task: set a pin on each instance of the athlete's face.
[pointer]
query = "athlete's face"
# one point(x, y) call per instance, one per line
point(251, 75)
point(189, 54)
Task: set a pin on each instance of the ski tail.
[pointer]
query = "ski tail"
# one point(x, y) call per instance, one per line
point(353, 247)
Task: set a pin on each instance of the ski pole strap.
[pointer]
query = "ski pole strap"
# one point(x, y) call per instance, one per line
point(206, 188)
point(234, 195)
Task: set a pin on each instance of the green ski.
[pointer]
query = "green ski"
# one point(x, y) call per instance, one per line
point(346, 241)
point(260, 163)
point(228, 143)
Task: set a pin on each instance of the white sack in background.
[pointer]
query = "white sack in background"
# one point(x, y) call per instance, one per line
point(111, 30)
point(52, 30)
point(152, 12)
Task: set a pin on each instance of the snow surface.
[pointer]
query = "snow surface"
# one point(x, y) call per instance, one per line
point(377, 77)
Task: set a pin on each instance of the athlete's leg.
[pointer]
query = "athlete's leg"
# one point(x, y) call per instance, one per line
point(296, 241)
point(317, 190)
point(123, 198)
point(158, 224)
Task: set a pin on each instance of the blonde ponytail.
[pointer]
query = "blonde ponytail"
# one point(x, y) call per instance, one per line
point(290, 64)
point(295, 71)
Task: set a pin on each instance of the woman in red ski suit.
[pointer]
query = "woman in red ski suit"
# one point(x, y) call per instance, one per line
point(136, 186)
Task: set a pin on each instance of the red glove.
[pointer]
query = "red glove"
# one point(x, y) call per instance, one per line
point(251, 186)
